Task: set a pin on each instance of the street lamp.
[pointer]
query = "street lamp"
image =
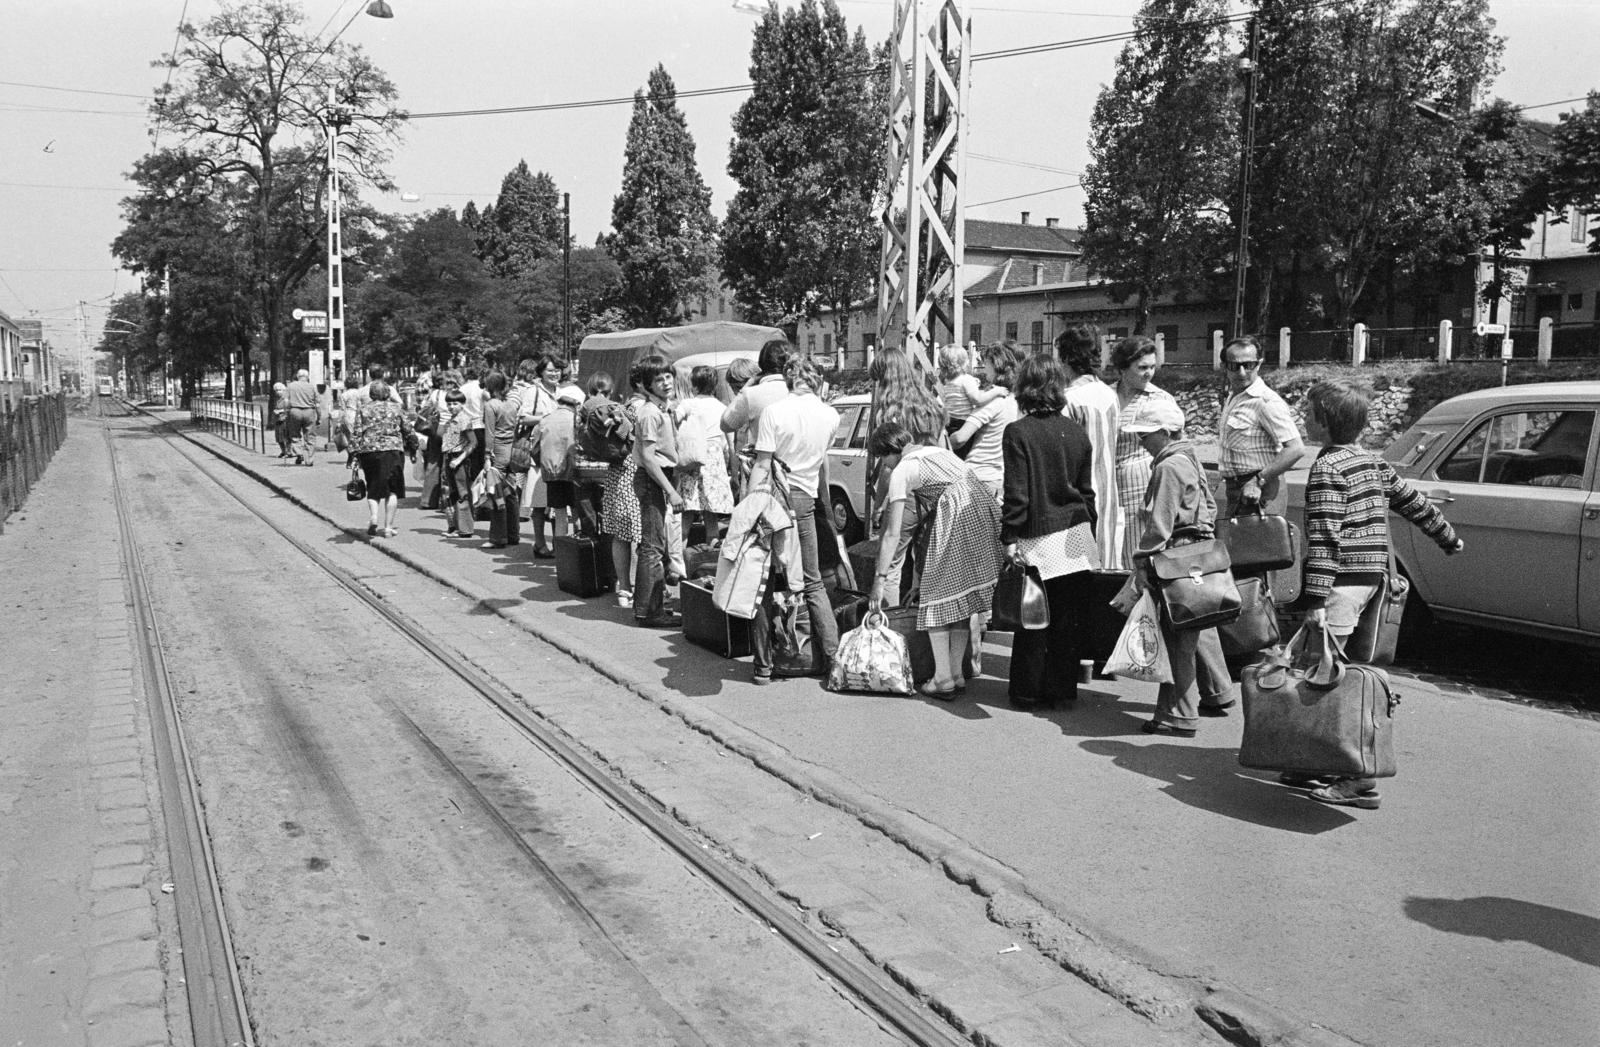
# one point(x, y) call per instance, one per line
point(379, 9)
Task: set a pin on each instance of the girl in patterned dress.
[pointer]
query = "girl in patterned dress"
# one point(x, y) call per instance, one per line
point(619, 514)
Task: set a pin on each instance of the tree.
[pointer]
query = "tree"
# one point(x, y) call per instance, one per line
point(801, 232)
point(248, 105)
point(523, 225)
point(1164, 156)
point(595, 285)
point(1347, 168)
point(663, 237)
point(1574, 176)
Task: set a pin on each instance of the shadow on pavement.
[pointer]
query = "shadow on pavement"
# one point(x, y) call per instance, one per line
point(1560, 931)
point(1209, 779)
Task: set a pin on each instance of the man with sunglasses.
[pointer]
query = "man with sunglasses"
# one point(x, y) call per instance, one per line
point(1258, 440)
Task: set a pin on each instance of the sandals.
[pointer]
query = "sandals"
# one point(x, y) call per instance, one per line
point(1157, 727)
point(928, 690)
point(1340, 797)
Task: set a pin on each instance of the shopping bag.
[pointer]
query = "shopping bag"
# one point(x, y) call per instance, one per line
point(872, 658)
point(1141, 652)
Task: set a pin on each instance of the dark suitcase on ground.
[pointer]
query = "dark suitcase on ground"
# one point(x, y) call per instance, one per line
point(706, 625)
point(903, 620)
point(583, 566)
point(1102, 622)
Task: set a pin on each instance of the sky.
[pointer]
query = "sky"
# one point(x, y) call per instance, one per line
point(76, 76)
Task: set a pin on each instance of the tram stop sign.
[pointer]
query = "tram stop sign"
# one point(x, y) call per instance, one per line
point(312, 321)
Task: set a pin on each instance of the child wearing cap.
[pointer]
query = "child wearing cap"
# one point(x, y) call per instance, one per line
point(1178, 502)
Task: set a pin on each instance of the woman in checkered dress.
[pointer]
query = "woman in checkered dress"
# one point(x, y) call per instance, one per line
point(1136, 362)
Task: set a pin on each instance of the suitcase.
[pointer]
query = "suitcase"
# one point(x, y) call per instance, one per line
point(848, 608)
point(709, 627)
point(1311, 711)
point(583, 566)
point(903, 620)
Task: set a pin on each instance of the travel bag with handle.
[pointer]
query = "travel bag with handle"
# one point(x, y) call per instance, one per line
point(1256, 628)
point(1257, 542)
point(872, 658)
point(1310, 710)
point(1192, 576)
point(1377, 631)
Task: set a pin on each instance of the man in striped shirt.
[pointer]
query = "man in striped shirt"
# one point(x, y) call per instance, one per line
point(1257, 435)
point(1349, 496)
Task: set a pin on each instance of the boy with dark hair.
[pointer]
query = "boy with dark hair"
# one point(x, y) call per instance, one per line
point(1349, 495)
point(655, 449)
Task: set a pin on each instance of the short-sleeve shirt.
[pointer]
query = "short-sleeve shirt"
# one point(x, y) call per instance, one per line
point(654, 427)
point(745, 411)
point(960, 396)
point(985, 456)
point(1256, 426)
point(798, 430)
point(472, 409)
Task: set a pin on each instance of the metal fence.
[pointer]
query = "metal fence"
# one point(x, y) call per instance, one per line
point(29, 436)
point(240, 421)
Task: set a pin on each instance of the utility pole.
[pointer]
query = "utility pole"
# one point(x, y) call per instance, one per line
point(566, 277)
point(337, 119)
point(1249, 69)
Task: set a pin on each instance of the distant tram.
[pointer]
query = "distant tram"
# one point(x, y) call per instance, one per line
point(105, 385)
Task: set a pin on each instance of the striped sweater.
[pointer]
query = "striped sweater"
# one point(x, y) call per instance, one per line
point(1348, 498)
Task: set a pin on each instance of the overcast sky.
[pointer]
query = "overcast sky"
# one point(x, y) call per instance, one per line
point(65, 153)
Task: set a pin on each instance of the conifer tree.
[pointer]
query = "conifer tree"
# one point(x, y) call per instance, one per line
point(523, 225)
point(663, 236)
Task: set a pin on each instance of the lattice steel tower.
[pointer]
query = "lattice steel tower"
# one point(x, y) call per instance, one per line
point(919, 275)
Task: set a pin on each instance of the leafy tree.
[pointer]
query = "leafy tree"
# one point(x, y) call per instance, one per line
point(1347, 168)
point(1164, 156)
point(664, 233)
point(132, 335)
point(523, 225)
point(248, 107)
point(801, 232)
point(1574, 176)
point(596, 284)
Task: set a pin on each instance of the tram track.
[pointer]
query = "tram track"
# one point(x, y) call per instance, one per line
point(215, 967)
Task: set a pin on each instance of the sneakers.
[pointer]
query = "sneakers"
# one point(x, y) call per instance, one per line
point(624, 598)
point(1353, 792)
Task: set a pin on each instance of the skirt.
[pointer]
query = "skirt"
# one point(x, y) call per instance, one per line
point(707, 488)
point(619, 507)
point(385, 473)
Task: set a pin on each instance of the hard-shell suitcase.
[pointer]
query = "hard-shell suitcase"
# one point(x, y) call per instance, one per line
point(583, 566)
point(708, 626)
point(1311, 711)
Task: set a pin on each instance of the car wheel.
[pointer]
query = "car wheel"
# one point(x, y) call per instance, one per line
point(844, 518)
point(1417, 621)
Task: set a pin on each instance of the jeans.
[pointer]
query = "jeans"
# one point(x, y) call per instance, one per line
point(1196, 657)
point(505, 523)
point(650, 574)
point(824, 627)
point(1044, 662)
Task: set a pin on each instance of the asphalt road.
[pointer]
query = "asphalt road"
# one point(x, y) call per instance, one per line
point(372, 899)
point(1464, 913)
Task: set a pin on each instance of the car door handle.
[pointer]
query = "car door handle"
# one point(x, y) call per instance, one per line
point(1591, 514)
point(1440, 497)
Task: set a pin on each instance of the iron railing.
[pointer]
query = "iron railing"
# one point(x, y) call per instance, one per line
point(30, 433)
point(239, 421)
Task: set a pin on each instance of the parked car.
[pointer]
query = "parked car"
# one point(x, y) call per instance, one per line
point(847, 466)
point(1514, 470)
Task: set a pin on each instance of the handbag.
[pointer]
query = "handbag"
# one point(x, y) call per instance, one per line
point(1141, 650)
point(1195, 582)
point(872, 658)
point(523, 449)
point(743, 572)
point(1019, 601)
point(1377, 631)
point(1308, 709)
point(356, 489)
point(1256, 628)
point(1257, 542)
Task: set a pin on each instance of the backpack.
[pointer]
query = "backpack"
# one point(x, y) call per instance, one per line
point(557, 443)
point(694, 442)
point(606, 432)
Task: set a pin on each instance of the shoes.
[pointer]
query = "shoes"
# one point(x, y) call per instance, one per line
point(541, 553)
point(1157, 727)
point(761, 679)
point(389, 532)
point(624, 599)
point(492, 545)
point(1302, 781)
point(1347, 794)
point(452, 533)
point(943, 694)
point(660, 621)
point(299, 460)
point(1217, 710)
point(372, 530)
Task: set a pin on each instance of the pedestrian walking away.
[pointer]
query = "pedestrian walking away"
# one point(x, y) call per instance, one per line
point(304, 413)
point(1349, 496)
point(379, 445)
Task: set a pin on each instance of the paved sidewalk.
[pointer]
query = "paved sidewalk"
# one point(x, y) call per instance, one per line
point(1474, 887)
point(81, 954)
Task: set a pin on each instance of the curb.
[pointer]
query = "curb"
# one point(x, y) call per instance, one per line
point(1122, 970)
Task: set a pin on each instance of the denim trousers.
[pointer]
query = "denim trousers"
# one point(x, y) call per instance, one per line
point(650, 573)
point(824, 627)
point(1199, 676)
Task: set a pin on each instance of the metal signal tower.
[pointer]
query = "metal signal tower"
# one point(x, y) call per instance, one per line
point(338, 119)
point(919, 275)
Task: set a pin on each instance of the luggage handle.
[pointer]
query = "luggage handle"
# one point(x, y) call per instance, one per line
point(1325, 673)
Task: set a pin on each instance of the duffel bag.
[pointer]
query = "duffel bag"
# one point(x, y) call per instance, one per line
point(872, 658)
point(1257, 542)
point(1310, 710)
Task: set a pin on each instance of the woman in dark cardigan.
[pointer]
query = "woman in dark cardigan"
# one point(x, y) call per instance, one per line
point(1047, 520)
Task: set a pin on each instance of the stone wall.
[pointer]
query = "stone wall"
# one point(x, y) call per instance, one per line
point(1388, 414)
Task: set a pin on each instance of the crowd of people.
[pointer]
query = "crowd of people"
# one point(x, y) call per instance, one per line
point(1042, 464)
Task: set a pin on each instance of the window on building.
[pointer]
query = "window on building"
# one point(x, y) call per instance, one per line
point(1036, 335)
point(1168, 333)
point(1578, 222)
point(811, 343)
point(975, 333)
point(1575, 302)
point(1011, 330)
point(722, 305)
point(827, 344)
point(1116, 332)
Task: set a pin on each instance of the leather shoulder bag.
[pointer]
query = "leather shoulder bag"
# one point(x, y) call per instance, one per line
point(1194, 578)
